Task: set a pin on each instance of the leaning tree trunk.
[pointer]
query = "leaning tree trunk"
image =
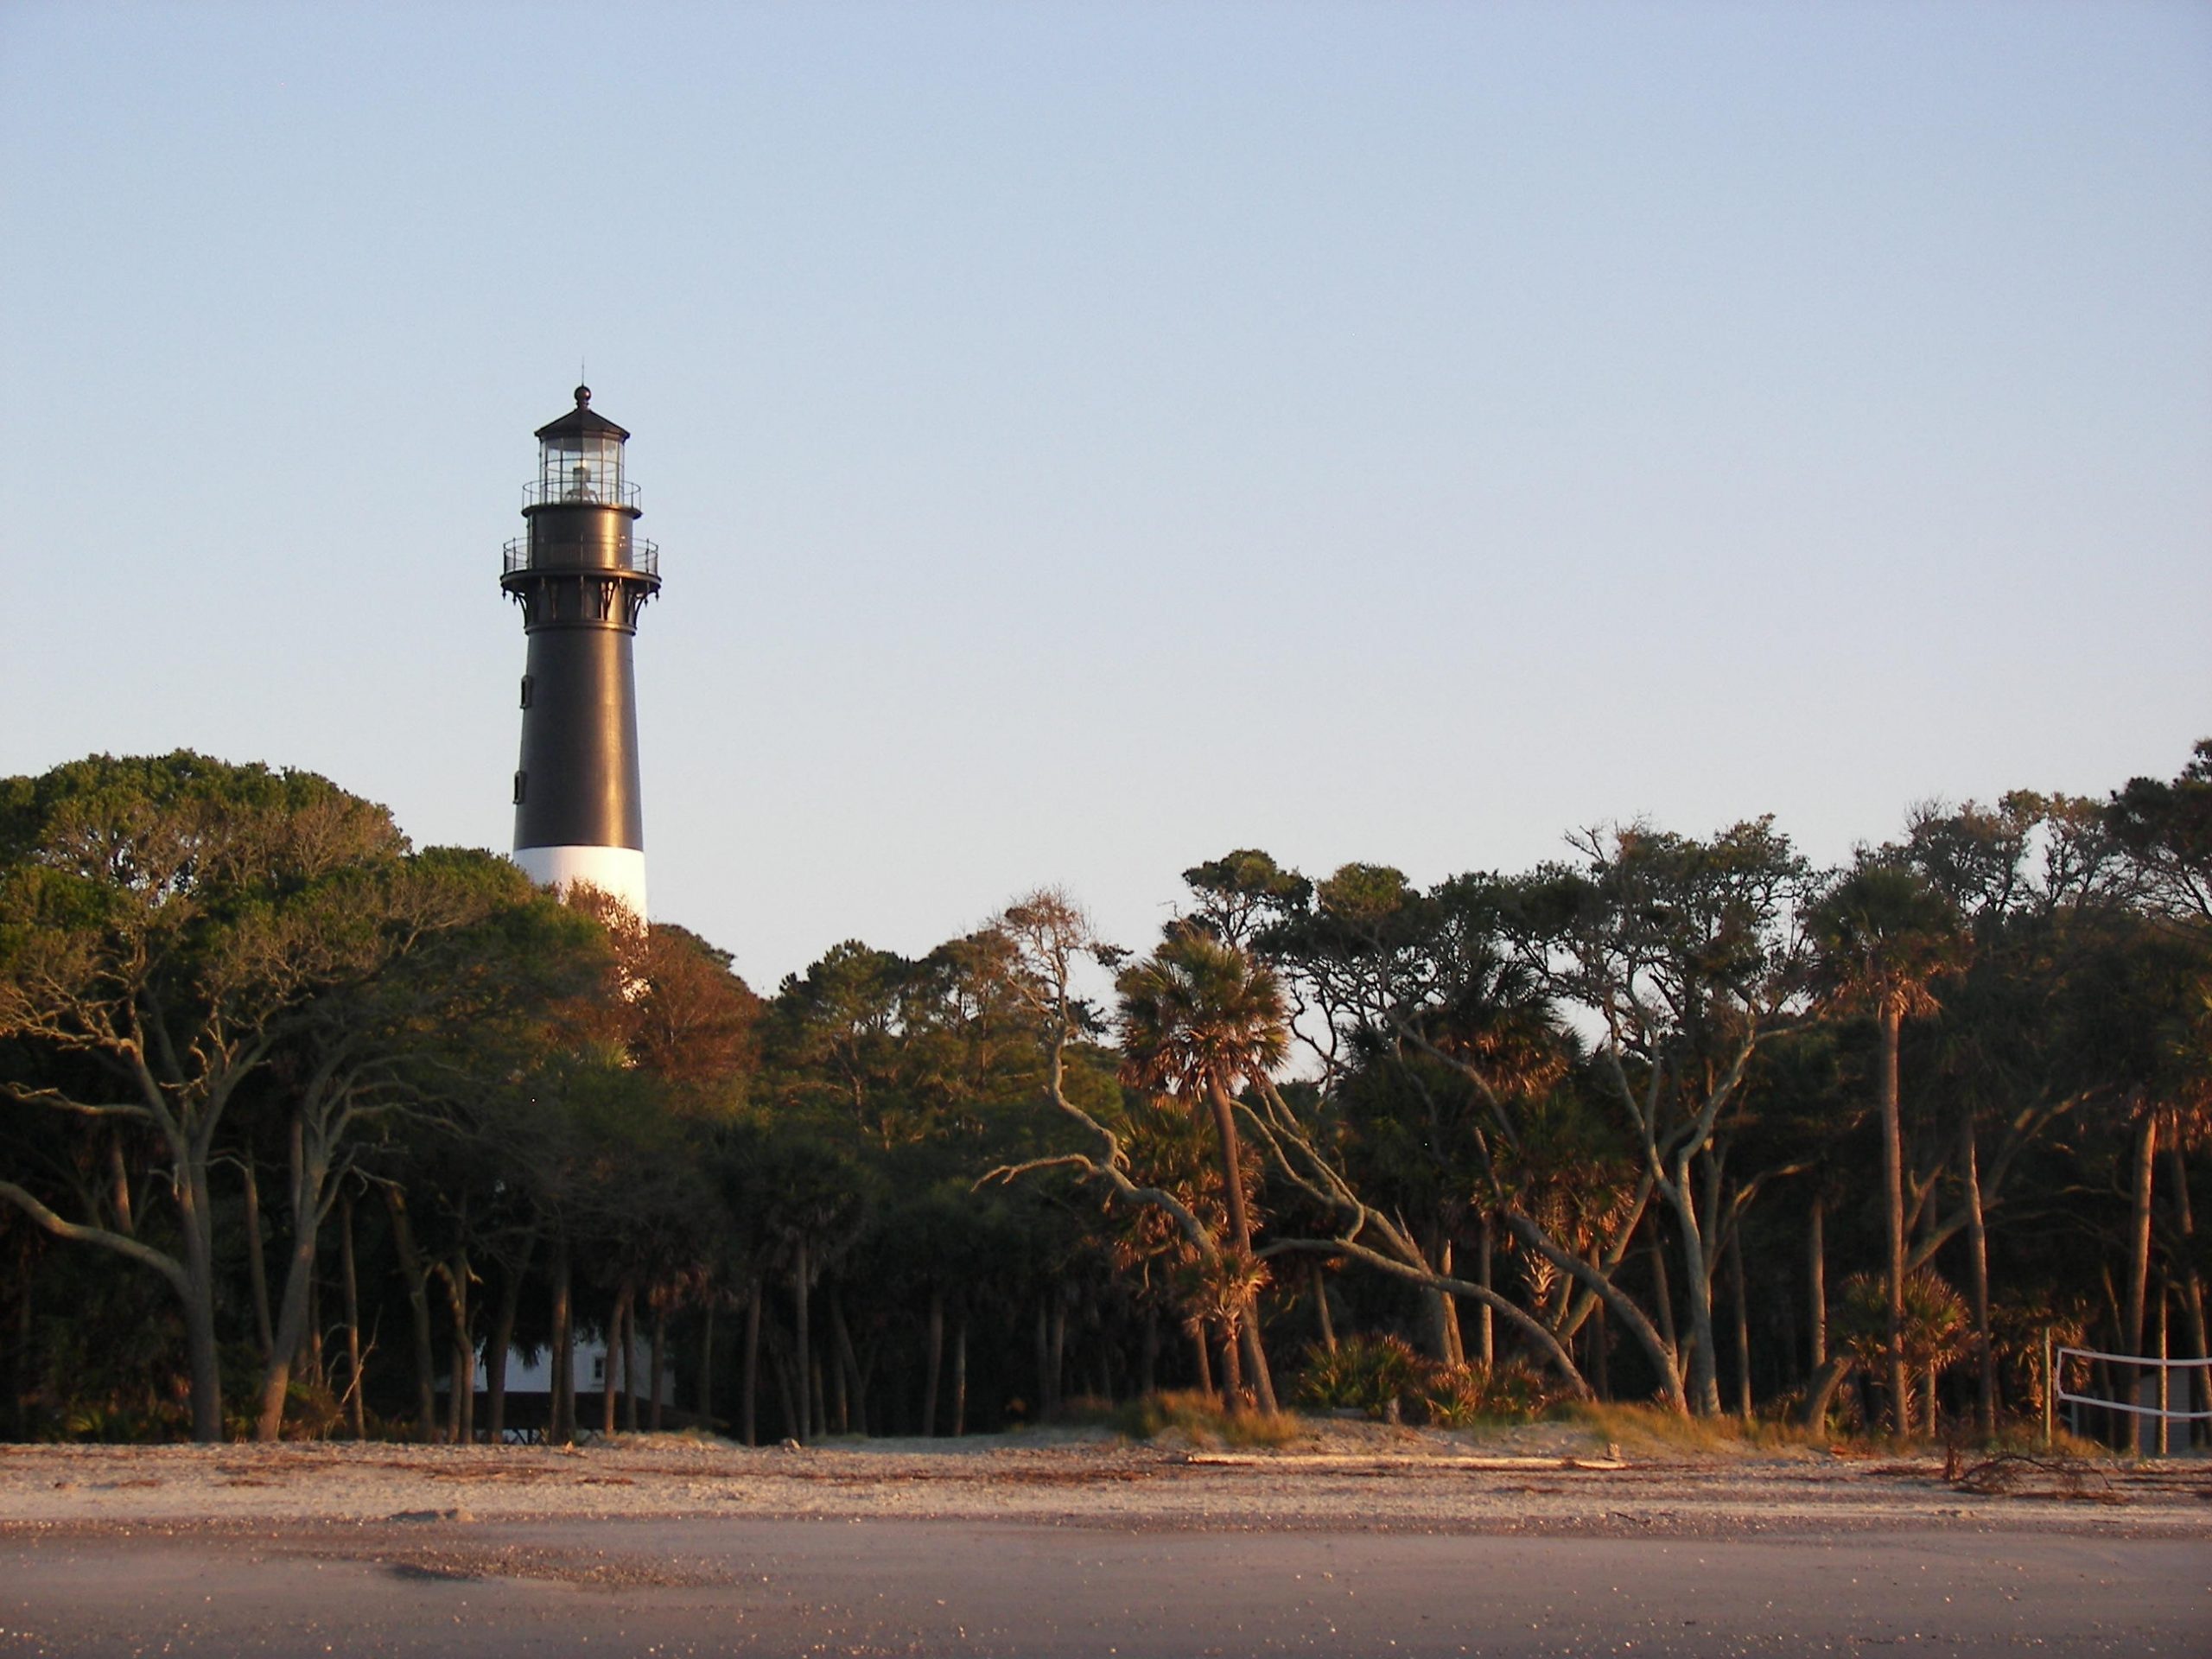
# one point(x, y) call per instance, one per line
point(119, 1174)
point(1455, 1345)
point(460, 1402)
point(1821, 1390)
point(1658, 1347)
point(1599, 1338)
point(358, 1409)
point(2138, 1245)
point(936, 1364)
point(804, 1357)
point(256, 1266)
point(1321, 1310)
point(1704, 1379)
point(1255, 1360)
point(1056, 1368)
point(616, 1320)
point(750, 1426)
point(1816, 1277)
point(560, 1404)
point(838, 1418)
point(628, 1321)
point(313, 1341)
point(960, 1378)
point(854, 1391)
point(19, 1369)
point(502, 1342)
point(1741, 1297)
point(1438, 1304)
point(630, 1364)
point(707, 1419)
point(194, 1215)
point(1240, 1231)
point(1663, 1304)
point(291, 1327)
point(415, 1277)
point(2189, 1282)
point(1487, 1321)
point(1985, 1351)
point(308, 1174)
point(1891, 1018)
point(781, 1365)
point(652, 1378)
point(312, 1359)
point(1041, 1341)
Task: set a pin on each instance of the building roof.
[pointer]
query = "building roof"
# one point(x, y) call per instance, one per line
point(580, 423)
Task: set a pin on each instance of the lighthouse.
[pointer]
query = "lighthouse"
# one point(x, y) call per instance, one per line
point(581, 575)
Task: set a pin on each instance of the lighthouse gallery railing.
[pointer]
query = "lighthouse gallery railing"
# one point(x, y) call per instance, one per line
point(641, 555)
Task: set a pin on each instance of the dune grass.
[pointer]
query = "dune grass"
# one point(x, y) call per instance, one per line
point(1649, 1428)
point(1202, 1420)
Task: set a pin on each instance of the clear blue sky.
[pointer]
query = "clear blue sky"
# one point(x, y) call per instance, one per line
point(1086, 439)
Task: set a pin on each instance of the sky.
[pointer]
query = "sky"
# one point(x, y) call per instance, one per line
point(1083, 440)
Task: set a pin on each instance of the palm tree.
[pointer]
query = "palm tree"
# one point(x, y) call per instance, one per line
point(1884, 934)
point(1935, 1331)
point(1201, 1019)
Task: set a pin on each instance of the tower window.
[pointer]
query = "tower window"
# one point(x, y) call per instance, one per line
point(525, 691)
point(521, 778)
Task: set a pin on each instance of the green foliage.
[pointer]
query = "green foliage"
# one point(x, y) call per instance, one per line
point(1363, 1374)
point(1885, 933)
point(106, 1354)
point(1637, 1428)
point(1199, 1015)
point(1238, 894)
point(1467, 1395)
point(1202, 1420)
point(527, 1074)
point(1371, 1373)
point(1935, 1326)
point(2167, 828)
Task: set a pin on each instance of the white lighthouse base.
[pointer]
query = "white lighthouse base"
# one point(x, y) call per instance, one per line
point(617, 872)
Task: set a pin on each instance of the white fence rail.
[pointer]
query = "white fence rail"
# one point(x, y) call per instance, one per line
point(2141, 1364)
point(2145, 1373)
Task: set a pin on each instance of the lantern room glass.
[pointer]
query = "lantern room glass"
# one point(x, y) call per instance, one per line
point(580, 468)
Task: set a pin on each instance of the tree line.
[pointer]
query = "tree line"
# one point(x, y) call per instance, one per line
point(306, 1131)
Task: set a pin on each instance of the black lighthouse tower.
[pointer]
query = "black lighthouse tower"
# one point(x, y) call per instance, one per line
point(581, 575)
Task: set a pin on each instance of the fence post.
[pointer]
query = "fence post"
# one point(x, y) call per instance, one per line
point(2164, 1371)
point(2050, 1386)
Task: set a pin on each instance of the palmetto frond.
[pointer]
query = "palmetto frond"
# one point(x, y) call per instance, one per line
point(1934, 1330)
point(1884, 934)
point(1198, 1014)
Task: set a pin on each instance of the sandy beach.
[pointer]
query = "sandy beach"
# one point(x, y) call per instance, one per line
point(1545, 1478)
point(1357, 1540)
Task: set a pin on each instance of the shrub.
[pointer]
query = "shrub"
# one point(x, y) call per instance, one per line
point(1364, 1374)
point(1086, 1411)
point(1459, 1396)
point(312, 1410)
point(1643, 1427)
point(1201, 1419)
point(104, 1420)
point(1935, 1322)
point(1455, 1397)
